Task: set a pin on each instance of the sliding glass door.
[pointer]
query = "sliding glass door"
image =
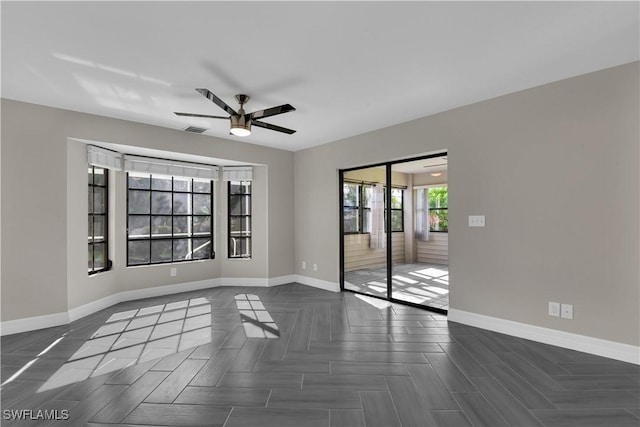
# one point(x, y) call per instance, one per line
point(385, 229)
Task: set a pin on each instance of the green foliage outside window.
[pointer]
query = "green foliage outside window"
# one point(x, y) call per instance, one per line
point(438, 209)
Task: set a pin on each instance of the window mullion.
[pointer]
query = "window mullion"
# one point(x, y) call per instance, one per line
point(360, 208)
point(172, 211)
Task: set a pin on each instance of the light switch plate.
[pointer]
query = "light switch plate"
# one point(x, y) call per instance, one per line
point(476, 220)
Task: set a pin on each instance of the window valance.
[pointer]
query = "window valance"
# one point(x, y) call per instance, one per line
point(169, 167)
point(238, 173)
point(103, 158)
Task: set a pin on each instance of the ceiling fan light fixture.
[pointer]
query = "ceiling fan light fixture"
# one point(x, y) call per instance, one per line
point(240, 122)
point(240, 126)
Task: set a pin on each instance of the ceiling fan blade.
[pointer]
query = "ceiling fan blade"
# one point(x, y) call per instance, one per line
point(200, 115)
point(280, 109)
point(219, 102)
point(272, 127)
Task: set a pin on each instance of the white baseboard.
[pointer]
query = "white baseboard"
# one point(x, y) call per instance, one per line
point(17, 326)
point(611, 349)
point(94, 306)
point(317, 283)
point(256, 282)
point(156, 291)
point(282, 280)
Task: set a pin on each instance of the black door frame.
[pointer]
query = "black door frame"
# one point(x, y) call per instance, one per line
point(388, 169)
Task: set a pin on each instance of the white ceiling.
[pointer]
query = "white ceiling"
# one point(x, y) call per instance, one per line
point(348, 67)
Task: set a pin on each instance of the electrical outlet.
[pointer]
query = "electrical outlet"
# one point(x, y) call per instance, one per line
point(173, 272)
point(304, 265)
point(554, 309)
point(566, 311)
point(315, 267)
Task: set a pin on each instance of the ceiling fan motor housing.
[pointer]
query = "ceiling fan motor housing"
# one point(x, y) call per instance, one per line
point(240, 120)
point(240, 124)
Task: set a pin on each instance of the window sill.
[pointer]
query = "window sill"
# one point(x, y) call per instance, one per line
point(109, 268)
point(98, 273)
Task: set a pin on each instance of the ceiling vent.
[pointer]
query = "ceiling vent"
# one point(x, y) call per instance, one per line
point(194, 129)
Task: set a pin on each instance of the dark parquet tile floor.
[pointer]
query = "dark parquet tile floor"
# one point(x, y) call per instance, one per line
point(297, 356)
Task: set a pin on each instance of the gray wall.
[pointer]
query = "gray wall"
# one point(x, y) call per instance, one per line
point(555, 171)
point(44, 208)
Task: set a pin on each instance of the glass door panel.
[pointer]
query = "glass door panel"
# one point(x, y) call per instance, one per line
point(364, 236)
point(405, 286)
point(419, 217)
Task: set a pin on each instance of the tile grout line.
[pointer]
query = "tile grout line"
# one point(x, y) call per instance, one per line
point(228, 416)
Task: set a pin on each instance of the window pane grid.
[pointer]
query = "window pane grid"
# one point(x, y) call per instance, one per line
point(353, 207)
point(357, 208)
point(97, 220)
point(397, 210)
point(239, 224)
point(169, 219)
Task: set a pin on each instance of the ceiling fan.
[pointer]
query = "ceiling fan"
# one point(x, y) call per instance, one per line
point(240, 121)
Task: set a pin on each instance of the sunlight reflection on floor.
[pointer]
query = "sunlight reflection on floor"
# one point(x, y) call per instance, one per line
point(256, 320)
point(136, 336)
point(415, 283)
